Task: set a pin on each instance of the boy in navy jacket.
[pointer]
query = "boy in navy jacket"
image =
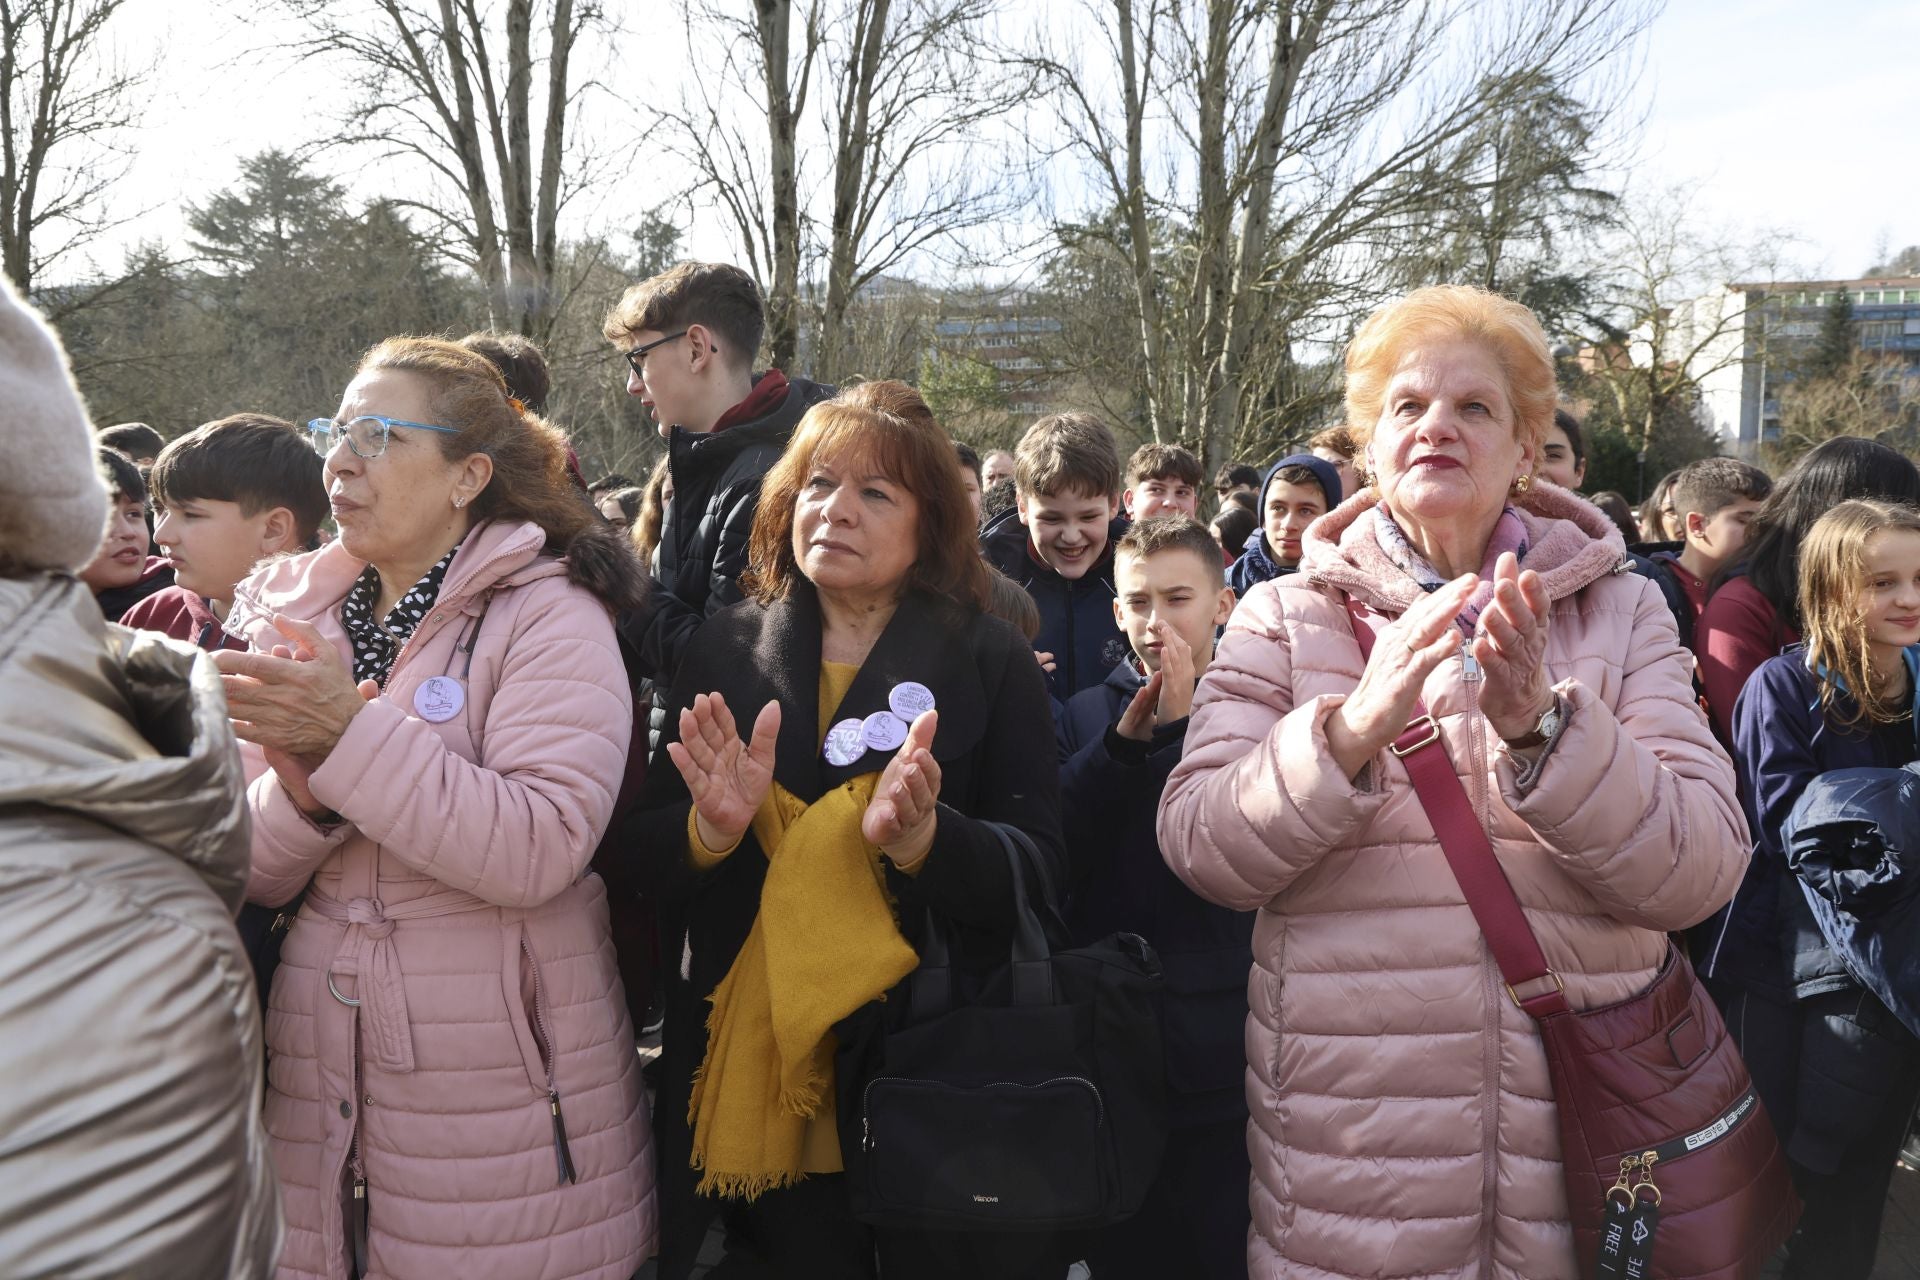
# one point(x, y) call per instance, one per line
point(1058, 545)
point(1119, 741)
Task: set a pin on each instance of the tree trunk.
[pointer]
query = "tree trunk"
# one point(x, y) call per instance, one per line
point(783, 320)
point(849, 173)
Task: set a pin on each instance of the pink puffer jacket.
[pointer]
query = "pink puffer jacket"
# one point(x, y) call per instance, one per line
point(1403, 1121)
point(454, 904)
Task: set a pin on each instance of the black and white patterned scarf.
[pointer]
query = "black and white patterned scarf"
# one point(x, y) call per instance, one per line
point(377, 643)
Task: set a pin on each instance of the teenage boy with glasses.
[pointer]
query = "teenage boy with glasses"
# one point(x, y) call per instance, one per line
point(689, 337)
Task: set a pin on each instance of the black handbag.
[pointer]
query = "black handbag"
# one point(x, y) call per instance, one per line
point(1037, 1105)
point(262, 931)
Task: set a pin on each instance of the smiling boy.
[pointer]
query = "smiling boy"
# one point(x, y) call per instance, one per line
point(1118, 743)
point(1162, 480)
point(230, 494)
point(1057, 544)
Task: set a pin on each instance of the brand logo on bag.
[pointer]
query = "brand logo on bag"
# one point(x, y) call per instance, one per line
point(1719, 1128)
point(980, 1199)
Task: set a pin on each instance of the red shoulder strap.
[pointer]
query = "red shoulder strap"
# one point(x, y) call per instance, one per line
point(1495, 908)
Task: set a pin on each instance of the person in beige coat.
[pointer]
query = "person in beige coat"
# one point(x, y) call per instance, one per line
point(1403, 1120)
point(130, 1136)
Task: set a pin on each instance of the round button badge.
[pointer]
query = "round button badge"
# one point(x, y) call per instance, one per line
point(910, 699)
point(846, 742)
point(884, 731)
point(439, 699)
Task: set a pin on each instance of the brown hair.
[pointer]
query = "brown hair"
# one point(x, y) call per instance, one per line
point(1067, 453)
point(1711, 484)
point(519, 362)
point(530, 480)
point(907, 446)
point(253, 460)
point(1453, 313)
point(1235, 525)
point(721, 298)
point(1144, 538)
point(645, 532)
point(1833, 570)
point(135, 439)
point(1164, 462)
point(1337, 438)
point(1008, 601)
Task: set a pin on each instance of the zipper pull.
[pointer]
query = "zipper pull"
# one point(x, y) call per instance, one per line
point(1645, 1220)
point(1615, 1220)
point(360, 1249)
point(563, 1156)
point(1470, 670)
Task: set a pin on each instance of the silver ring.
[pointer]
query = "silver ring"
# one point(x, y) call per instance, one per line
point(351, 1004)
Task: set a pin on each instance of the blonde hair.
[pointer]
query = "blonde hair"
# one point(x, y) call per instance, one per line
point(1833, 573)
point(1452, 313)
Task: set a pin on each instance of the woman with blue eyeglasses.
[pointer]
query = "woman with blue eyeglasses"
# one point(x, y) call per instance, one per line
point(438, 719)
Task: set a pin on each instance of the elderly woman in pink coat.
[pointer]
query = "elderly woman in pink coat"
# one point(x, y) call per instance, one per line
point(1403, 1119)
point(441, 718)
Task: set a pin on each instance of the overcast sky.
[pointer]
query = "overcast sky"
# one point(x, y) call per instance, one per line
point(1789, 114)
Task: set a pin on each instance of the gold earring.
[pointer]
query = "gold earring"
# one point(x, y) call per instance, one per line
point(1522, 484)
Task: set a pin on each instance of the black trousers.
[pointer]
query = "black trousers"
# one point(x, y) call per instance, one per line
point(1196, 1216)
point(806, 1232)
point(1839, 1075)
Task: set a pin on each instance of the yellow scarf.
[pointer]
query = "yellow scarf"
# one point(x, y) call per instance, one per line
point(823, 943)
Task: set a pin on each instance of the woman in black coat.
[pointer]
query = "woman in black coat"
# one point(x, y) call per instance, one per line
point(866, 595)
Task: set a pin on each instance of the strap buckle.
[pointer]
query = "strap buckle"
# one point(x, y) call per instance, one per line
point(1559, 985)
point(1429, 730)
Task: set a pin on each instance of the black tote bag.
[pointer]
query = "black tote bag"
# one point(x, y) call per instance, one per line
point(1036, 1103)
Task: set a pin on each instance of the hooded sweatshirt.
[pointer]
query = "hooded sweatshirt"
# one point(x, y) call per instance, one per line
point(1260, 562)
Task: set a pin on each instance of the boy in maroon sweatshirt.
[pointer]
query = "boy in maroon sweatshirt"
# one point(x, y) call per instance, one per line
point(230, 494)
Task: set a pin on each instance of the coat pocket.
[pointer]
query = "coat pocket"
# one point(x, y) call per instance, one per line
point(533, 1029)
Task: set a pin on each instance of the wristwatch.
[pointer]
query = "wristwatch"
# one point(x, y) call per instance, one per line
point(1549, 724)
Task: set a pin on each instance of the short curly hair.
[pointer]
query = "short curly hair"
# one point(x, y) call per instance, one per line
point(1452, 313)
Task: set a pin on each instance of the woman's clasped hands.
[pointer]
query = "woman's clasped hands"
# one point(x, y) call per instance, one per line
point(1509, 645)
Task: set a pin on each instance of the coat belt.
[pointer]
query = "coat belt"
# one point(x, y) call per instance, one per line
point(367, 952)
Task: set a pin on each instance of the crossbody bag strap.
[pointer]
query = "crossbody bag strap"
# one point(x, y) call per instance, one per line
point(1489, 895)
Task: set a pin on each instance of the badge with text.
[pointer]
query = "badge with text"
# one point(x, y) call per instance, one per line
point(910, 700)
point(439, 699)
point(846, 742)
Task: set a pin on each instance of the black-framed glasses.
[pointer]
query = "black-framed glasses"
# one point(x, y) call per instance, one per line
point(366, 435)
point(637, 358)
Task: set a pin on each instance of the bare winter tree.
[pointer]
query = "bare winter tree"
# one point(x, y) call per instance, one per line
point(64, 108)
point(897, 146)
point(458, 85)
point(1670, 317)
point(1296, 144)
point(738, 128)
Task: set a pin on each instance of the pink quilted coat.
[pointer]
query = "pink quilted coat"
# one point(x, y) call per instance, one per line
point(1402, 1119)
point(455, 906)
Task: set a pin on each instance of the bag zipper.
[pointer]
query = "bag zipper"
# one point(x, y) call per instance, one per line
point(562, 1152)
point(867, 1142)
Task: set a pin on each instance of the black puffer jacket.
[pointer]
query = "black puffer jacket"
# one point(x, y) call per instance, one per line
point(703, 541)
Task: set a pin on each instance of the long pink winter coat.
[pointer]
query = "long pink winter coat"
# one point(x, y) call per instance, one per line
point(455, 905)
point(1403, 1121)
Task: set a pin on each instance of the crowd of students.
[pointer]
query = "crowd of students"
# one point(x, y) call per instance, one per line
point(529, 767)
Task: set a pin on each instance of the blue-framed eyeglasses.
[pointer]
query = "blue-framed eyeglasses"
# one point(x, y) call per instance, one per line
point(366, 435)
